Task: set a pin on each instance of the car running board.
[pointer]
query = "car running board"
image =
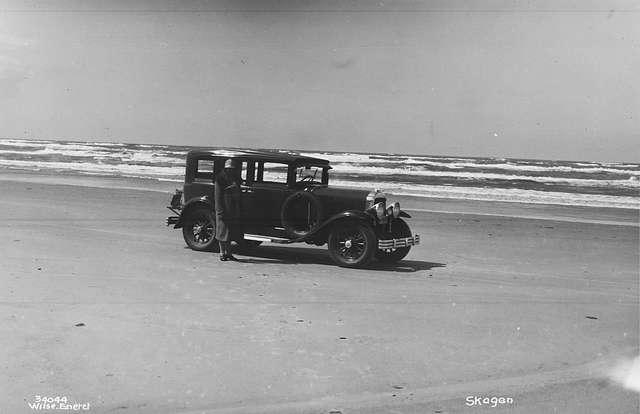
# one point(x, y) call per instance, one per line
point(270, 239)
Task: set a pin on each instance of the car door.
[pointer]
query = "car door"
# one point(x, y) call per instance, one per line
point(263, 194)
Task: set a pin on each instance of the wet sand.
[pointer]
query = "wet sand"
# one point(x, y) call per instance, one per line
point(535, 303)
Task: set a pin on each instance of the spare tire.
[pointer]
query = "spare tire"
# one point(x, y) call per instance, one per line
point(301, 214)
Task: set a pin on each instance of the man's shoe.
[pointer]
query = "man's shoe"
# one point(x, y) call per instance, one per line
point(223, 258)
point(232, 258)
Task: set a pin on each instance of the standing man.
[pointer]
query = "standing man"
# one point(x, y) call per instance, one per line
point(227, 205)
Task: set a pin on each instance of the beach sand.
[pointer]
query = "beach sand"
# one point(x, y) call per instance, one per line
point(103, 304)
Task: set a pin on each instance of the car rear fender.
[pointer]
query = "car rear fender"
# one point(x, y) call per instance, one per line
point(203, 201)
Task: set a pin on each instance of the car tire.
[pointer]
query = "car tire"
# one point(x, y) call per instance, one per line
point(399, 229)
point(301, 214)
point(199, 230)
point(352, 244)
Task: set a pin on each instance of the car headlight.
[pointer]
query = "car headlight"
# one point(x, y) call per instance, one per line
point(396, 209)
point(376, 196)
point(390, 210)
point(380, 210)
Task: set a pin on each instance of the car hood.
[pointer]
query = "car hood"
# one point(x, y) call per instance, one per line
point(336, 199)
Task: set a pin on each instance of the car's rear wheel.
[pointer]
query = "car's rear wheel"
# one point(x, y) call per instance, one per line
point(399, 229)
point(352, 244)
point(199, 230)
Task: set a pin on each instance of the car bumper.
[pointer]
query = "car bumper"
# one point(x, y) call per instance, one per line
point(396, 243)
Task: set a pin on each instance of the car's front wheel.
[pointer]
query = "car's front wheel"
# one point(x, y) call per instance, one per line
point(199, 230)
point(352, 244)
point(399, 230)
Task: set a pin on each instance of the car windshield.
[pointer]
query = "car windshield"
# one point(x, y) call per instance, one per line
point(309, 173)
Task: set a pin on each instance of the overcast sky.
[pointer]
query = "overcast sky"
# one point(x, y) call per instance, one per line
point(530, 79)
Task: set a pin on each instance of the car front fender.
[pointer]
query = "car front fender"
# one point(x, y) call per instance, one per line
point(344, 215)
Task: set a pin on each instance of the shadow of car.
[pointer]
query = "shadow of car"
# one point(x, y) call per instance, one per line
point(310, 255)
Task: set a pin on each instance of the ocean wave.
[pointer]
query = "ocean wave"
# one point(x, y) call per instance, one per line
point(132, 170)
point(151, 146)
point(62, 145)
point(525, 167)
point(149, 152)
point(99, 155)
point(497, 179)
point(345, 157)
point(500, 194)
point(23, 142)
point(421, 158)
point(100, 143)
point(476, 164)
point(50, 151)
point(372, 171)
point(619, 164)
point(509, 166)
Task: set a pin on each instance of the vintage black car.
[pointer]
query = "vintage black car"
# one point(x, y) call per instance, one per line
point(286, 198)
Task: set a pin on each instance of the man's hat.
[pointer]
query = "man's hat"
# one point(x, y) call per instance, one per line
point(231, 163)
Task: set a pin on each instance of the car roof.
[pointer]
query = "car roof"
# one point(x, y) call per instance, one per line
point(287, 157)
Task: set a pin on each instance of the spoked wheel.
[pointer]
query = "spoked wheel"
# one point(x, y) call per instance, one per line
point(399, 230)
point(352, 244)
point(199, 230)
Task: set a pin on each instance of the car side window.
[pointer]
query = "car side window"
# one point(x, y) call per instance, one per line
point(204, 170)
point(272, 172)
